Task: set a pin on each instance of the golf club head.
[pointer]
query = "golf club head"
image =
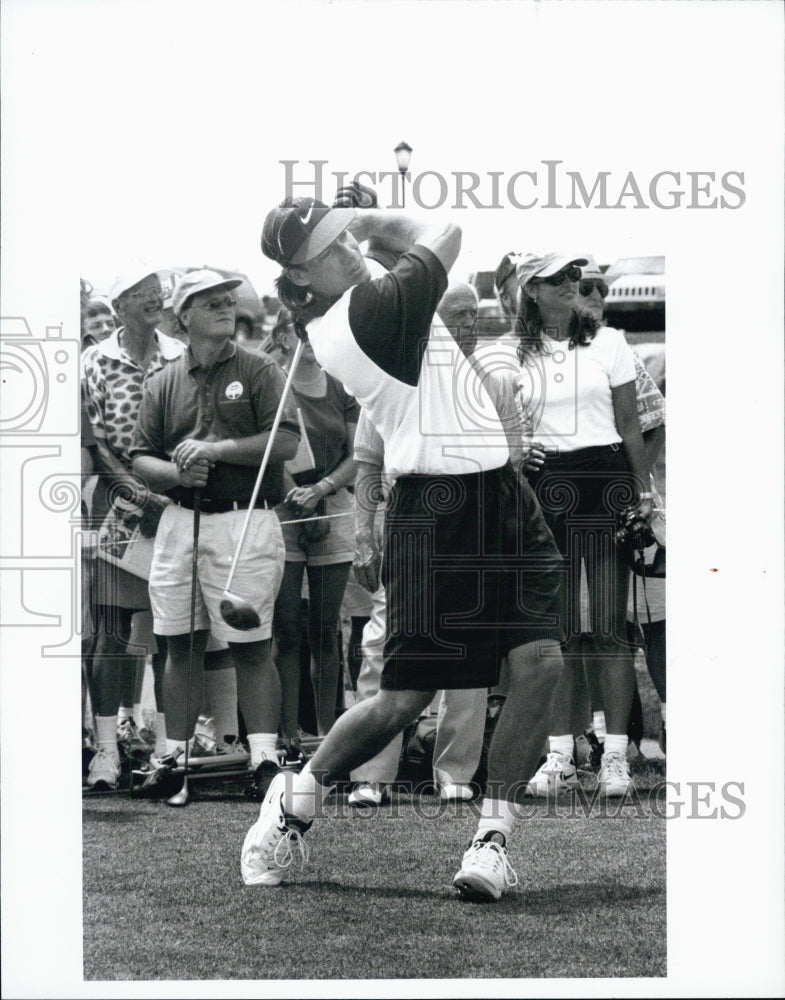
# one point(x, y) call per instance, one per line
point(238, 613)
point(180, 798)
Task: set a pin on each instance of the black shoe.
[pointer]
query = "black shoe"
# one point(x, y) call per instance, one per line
point(262, 779)
point(595, 757)
point(293, 758)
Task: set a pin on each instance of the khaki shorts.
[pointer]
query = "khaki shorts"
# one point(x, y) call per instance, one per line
point(257, 578)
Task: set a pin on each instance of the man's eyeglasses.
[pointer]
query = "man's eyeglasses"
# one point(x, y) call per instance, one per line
point(587, 286)
point(573, 273)
point(215, 305)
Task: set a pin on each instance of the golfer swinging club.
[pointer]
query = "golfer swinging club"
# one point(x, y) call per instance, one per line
point(470, 567)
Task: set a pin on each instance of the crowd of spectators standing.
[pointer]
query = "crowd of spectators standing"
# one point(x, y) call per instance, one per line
point(174, 423)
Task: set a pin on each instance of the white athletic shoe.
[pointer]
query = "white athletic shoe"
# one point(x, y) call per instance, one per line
point(104, 772)
point(614, 778)
point(270, 845)
point(485, 871)
point(557, 774)
point(368, 793)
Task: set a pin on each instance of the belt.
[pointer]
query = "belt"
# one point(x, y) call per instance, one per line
point(223, 506)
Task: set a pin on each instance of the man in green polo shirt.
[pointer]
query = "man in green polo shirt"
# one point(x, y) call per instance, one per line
point(205, 424)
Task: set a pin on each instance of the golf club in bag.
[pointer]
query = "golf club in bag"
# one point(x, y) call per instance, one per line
point(181, 798)
point(235, 610)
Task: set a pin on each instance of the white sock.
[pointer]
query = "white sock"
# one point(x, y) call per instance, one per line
point(160, 735)
point(263, 746)
point(498, 815)
point(138, 717)
point(614, 743)
point(220, 688)
point(305, 796)
point(106, 735)
point(561, 744)
point(123, 713)
point(598, 722)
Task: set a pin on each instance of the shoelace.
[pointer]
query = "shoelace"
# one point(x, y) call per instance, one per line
point(491, 856)
point(615, 765)
point(556, 762)
point(284, 851)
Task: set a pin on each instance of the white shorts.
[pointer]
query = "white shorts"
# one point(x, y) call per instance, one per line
point(257, 578)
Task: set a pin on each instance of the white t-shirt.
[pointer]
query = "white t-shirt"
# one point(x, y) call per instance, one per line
point(567, 392)
point(422, 395)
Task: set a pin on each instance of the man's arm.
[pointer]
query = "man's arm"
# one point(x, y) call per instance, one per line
point(237, 451)
point(368, 495)
point(161, 475)
point(399, 233)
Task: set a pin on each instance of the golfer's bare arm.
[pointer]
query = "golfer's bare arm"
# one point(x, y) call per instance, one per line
point(400, 233)
point(161, 475)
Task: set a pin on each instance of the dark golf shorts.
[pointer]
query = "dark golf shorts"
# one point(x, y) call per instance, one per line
point(471, 571)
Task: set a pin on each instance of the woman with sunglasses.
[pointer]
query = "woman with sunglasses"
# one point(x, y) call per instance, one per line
point(577, 386)
point(325, 547)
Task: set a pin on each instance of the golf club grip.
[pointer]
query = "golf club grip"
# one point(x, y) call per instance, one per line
point(265, 460)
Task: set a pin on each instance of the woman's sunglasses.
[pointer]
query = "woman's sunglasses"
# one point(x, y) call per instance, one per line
point(573, 272)
point(587, 286)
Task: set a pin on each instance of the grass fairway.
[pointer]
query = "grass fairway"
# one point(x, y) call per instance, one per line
point(163, 898)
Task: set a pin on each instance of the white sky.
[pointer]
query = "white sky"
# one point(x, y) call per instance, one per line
point(155, 128)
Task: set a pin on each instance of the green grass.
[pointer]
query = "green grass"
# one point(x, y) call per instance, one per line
point(163, 898)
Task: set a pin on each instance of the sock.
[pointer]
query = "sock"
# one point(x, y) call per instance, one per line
point(106, 735)
point(263, 746)
point(598, 722)
point(137, 715)
point(561, 744)
point(220, 688)
point(662, 712)
point(615, 743)
point(305, 796)
point(496, 815)
point(160, 735)
point(123, 713)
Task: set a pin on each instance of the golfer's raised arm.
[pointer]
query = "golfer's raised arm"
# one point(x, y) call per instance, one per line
point(400, 233)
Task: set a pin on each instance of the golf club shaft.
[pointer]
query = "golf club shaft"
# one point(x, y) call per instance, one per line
point(265, 460)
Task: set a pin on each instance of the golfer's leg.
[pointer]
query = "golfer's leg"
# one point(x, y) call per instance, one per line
point(357, 736)
point(535, 669)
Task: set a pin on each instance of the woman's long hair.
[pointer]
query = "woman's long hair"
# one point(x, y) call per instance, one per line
point(529, 328)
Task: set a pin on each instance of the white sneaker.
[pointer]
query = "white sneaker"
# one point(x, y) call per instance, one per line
point(485, 871)
point(368, 793)
point(557, 774)
point(451, 791)
point(104, 772)
point(614, 778)
point(269, 846)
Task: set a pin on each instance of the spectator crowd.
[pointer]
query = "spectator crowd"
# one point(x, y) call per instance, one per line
point(258, 605)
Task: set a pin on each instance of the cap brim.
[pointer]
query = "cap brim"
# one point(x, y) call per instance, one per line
point(227, 283)
point(556, 265)
point(328, 229)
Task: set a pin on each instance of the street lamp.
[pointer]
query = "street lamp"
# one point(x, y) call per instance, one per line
point(403, 153)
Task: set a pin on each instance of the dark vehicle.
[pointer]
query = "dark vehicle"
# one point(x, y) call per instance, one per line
point(636, 293)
